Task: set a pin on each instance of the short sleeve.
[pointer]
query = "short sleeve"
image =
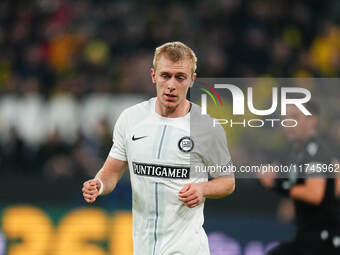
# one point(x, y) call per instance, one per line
point(118, 150)
point(218, 155)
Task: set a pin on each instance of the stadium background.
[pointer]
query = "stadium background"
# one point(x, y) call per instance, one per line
point(68, 68)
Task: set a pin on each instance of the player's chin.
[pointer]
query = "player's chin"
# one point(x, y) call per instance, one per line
point(170, 104)
point(291, 137)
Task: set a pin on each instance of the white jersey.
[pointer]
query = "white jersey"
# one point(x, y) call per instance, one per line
point(160, 152)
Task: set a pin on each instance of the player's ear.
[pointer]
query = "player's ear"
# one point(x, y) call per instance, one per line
point(193, 79)
point(153, 75)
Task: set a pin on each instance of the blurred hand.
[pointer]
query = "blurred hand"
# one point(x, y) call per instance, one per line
point(191, 194)
point(91, 190)
point(267, 178)
point(267, 182)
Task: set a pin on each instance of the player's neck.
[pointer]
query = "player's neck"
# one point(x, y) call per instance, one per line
point(173, 112)
point(303, 140)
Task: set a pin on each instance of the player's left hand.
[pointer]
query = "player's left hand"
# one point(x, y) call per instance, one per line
point(191, 194)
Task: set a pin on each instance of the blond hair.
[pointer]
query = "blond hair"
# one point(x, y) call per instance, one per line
point(175, 51)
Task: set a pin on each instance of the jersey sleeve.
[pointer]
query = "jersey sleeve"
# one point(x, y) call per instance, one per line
point(118, 150)
point(218, 154)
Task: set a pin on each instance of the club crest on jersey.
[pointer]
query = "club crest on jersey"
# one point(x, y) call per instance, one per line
point(186, 144)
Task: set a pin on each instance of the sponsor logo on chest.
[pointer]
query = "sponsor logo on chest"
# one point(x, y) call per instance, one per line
point(161, 171)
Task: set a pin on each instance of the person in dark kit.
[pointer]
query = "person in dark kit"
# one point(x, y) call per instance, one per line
point(311, 184)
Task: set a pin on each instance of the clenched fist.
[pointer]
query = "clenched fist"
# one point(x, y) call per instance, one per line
point(191, 195)
point(91, 190)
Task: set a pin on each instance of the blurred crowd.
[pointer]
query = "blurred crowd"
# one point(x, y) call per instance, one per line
point(60, 138)
point(77, 56)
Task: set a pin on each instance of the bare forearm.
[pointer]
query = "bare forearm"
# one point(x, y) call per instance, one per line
point(219, 187)
point(311, 192)
point(111, 173)
point(108, 179)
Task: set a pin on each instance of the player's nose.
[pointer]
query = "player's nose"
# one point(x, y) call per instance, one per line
point(171, 84)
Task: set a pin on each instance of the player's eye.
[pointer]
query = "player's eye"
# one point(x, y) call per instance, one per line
point(165, 75)
point(180, 77)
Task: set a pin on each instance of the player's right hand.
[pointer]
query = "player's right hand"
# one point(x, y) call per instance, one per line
point(91, 190)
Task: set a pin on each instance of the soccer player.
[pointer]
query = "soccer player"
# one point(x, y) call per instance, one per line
point(312, 190)
point(153, 139)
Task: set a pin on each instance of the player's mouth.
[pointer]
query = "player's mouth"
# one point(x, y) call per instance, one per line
point(170, 97)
